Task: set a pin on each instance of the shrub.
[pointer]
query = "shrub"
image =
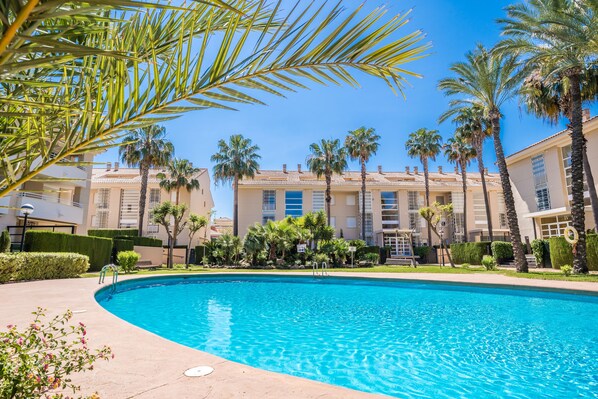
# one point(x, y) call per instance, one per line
point(469, 252)
point(41, 266)
point(540, 251)
point(143, 241)
point(360, 252)
point(5, 241)
point(502, 250)
point(371, 258)
point(200, 253)
point(561, 253)
point(113, 233)
point(466, 265)
point(39, 360)
point(489, 262)
point(592, 250)
point(127, 260)
point(567, 270)
point(99, 250)
point(319, 258)
point(422, 252)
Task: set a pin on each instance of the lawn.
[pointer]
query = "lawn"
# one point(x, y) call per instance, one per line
point(541, 275)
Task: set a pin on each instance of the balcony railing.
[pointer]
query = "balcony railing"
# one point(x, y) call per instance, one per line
point(50, 198)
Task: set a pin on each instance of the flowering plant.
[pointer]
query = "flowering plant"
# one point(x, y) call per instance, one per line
point(37, 362)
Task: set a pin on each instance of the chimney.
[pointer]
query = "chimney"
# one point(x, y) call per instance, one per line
point(486, 171)
point(407, 170)
point(299, 167)
point(585, 115)
point(380, 169)
point(440, 169)
point(115, 166)
point(416, 170)
point(108, 165)
point(456, 170)
point(284, 168)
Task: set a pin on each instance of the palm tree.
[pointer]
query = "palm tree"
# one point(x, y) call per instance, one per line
point(488, 80)
point(425, 144)
point(235, 160)
point(326, 159)
point(180, 174)
point(473, 126)
point(555, 38)
point(145, 148)
point(458, 150)
point(361, 145)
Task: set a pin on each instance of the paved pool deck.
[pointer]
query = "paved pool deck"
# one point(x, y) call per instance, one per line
point(148, 366)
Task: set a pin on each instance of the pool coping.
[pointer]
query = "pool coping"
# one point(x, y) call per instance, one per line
point(148, 366)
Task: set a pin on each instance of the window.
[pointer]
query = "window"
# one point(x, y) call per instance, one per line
point(350, 200)
point(102, 198)
point(317, 201)
point(540, 183)
point(129, 208)
point(457, 199)
point(390, 209)
point(294, 203)
point(369, 218)
point(415, 220)
point(351, 222)
point(502, 211)
point(368, 202)
point(154, 197)
point(566, 153)
point(100, 220)
point(554, 226)
point(479, 209)
point(267, 218)
point(269, 200)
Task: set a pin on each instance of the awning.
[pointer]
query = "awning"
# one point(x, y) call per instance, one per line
point(549, 212)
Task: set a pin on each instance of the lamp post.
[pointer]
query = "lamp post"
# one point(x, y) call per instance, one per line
point(26, 210)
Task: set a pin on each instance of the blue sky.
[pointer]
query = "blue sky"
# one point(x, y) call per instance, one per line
point(286, 127)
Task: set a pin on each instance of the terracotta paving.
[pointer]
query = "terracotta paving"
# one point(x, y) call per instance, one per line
point(147, 366)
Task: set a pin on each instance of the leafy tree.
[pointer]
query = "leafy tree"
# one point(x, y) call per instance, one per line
point(171, 217)
point(361, 144)
point(435, 215)
point(557, 40)
point(425, 144)
point(235, 160)
point(326, 159)
point(254, 242)
point(135, 74)
point(180, 174)
point(488, 80)
point(5, 241)
point(195, 223)
point(459, 151)
point(315, 223)
point(146, 148)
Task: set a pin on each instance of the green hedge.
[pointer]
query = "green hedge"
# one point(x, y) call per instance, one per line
point(113, 233)
point(470, 252)
point(98, 249)
point(541, 251)
point(41, 266)
point(373, 249)
point(561, 252)
point(121, 245)
point(142, 241)
point(502, 250)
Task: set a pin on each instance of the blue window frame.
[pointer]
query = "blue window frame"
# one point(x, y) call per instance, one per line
point(293, 203)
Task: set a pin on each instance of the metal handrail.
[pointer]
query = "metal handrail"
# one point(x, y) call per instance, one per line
point(323, 269)
point(114, 269)
point(50, 199)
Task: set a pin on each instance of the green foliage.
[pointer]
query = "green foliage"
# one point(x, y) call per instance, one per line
point(363, 251)
point(561, 252)
point(357, 244)
point(422, 252)
point(99, 250)
point(121, 244)
point(566, 270)
point(371, 258)
point(38, 361)
point(489, 262)
point(502, 250)
point(592, 251)
point(540, 251)
point(465, 265)
point(113, 233)
point(143, 241)
point(200, 254)
point(4, 241)
point(128, 260)
point(337, 250)
point(25, 266)
point(469, 252)
point(319, 258)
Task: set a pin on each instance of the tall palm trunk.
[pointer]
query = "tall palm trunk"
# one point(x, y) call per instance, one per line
point(427, 185)
point(178, 194)
point(580, 264)
point(170, 254)
point(328, 196)
point(520, 260)
point(236, 206)
point(482, 169)
point(591, 186)
point(143, 195)
point(363, 177)
point(464, 182)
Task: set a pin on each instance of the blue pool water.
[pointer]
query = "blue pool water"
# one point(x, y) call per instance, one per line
point(403, 339)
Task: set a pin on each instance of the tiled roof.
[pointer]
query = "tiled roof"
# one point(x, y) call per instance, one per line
point(127, 175)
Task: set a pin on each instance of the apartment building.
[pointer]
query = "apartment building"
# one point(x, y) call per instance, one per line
point(541, 178)
point(392, 204)
point(59, 196)
point(114, 201)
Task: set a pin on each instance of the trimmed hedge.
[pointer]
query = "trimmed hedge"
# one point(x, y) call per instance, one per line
point(561, 252)
point(540, 250)
point(41, 266)
point(98, 249)
point(121, 245)
point(113, 233)
point(360, 253)
point(470, 252)
point(502, 250)
point(142, 241)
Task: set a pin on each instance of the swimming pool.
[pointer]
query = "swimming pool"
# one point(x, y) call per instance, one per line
point(403, 339)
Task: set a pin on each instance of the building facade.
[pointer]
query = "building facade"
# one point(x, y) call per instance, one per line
point(541, 179)
point(59, 195)
point(114, 201)
point(392, 205)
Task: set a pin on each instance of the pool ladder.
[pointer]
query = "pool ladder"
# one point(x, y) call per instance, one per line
point(114, 269)
point(322, 271)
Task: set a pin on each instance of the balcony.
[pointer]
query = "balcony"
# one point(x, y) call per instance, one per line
point(52, 208)
point(79, 173)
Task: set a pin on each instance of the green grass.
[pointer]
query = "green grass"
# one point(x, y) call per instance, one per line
point(540, 275)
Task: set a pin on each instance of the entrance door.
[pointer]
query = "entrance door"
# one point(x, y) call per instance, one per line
point(399, 245)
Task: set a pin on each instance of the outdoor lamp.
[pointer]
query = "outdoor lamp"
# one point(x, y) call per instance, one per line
point(26, 210)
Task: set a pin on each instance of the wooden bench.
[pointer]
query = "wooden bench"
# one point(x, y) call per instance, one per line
point(146, 265)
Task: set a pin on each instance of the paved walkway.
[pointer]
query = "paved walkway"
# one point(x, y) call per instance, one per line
point(147, 366)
